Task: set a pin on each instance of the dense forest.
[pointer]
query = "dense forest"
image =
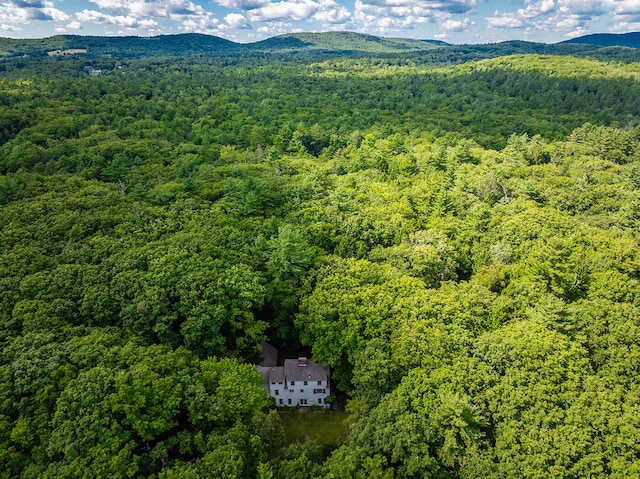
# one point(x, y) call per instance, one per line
point(455, 235)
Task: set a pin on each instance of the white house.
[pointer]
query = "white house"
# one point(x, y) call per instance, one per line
point(299, 382)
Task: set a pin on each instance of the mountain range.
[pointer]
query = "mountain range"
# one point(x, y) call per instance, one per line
point(631, 40)
point(328, 42)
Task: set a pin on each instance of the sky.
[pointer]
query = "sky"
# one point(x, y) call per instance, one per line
point(453, 21)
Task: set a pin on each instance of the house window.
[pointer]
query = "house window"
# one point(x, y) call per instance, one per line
point(319, 391)
point(281, 402)
point(276, 392)
point(293, 383)
point(289, 401)
point(279, 382)
point(319, 383)
point(303, 402)
point(302, 390)
point(273, 382)
point(306, 383)
point(319, 400)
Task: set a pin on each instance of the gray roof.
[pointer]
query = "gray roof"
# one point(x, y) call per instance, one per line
point(310, 372)
point(270, 355)
point(276, 373)
point(265, 372)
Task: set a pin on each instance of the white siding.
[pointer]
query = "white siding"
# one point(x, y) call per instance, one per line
point(297, 383)
point(300, 394)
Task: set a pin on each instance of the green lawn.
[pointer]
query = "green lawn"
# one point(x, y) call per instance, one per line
point(324, 427)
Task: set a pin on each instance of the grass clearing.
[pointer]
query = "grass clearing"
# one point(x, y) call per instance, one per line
point(324, 427)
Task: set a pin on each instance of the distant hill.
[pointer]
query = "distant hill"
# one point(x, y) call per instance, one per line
point(130, 46)
point(609, 40)
point(328, 43)
point(194, 44)
point(344, 41)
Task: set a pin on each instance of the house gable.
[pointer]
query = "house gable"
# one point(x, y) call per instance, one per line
point(299, 382)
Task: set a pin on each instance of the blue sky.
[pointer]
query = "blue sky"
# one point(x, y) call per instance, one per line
point(454, 21)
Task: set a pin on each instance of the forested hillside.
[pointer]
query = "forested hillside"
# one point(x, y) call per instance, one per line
point(131, 46)
point(458, 242)
point(631, 40)
point(329, 44)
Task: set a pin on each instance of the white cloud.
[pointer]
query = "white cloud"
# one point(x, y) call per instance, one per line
point(237, 20)
point(527, 16)
point(450, 27)
point(455, 25)
point(624, 27)
point(111, 4)
point(242, 4)
point(295, 10)
point(420, 7)
point(120, 20)
point(583, 8)
point(384, 16)
point(570, 17)
point(568, 23)
point(74, 25)
point(203, 24)
point(576, 33)
point(190, 16)
point(623, 7)
point(331, 13)
point(175, 9)
point(53, 13)
point(327, 12)
point(505, 20)
point(272, 29)
point(10, 16)
point(16, 12)
point(147, 23)
point(9, 28)
point(27, 3)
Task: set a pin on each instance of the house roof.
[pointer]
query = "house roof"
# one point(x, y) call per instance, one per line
point(300, 369)
point(276, 373)
point(265, 372)
point(270, 355)
point(293, 371)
